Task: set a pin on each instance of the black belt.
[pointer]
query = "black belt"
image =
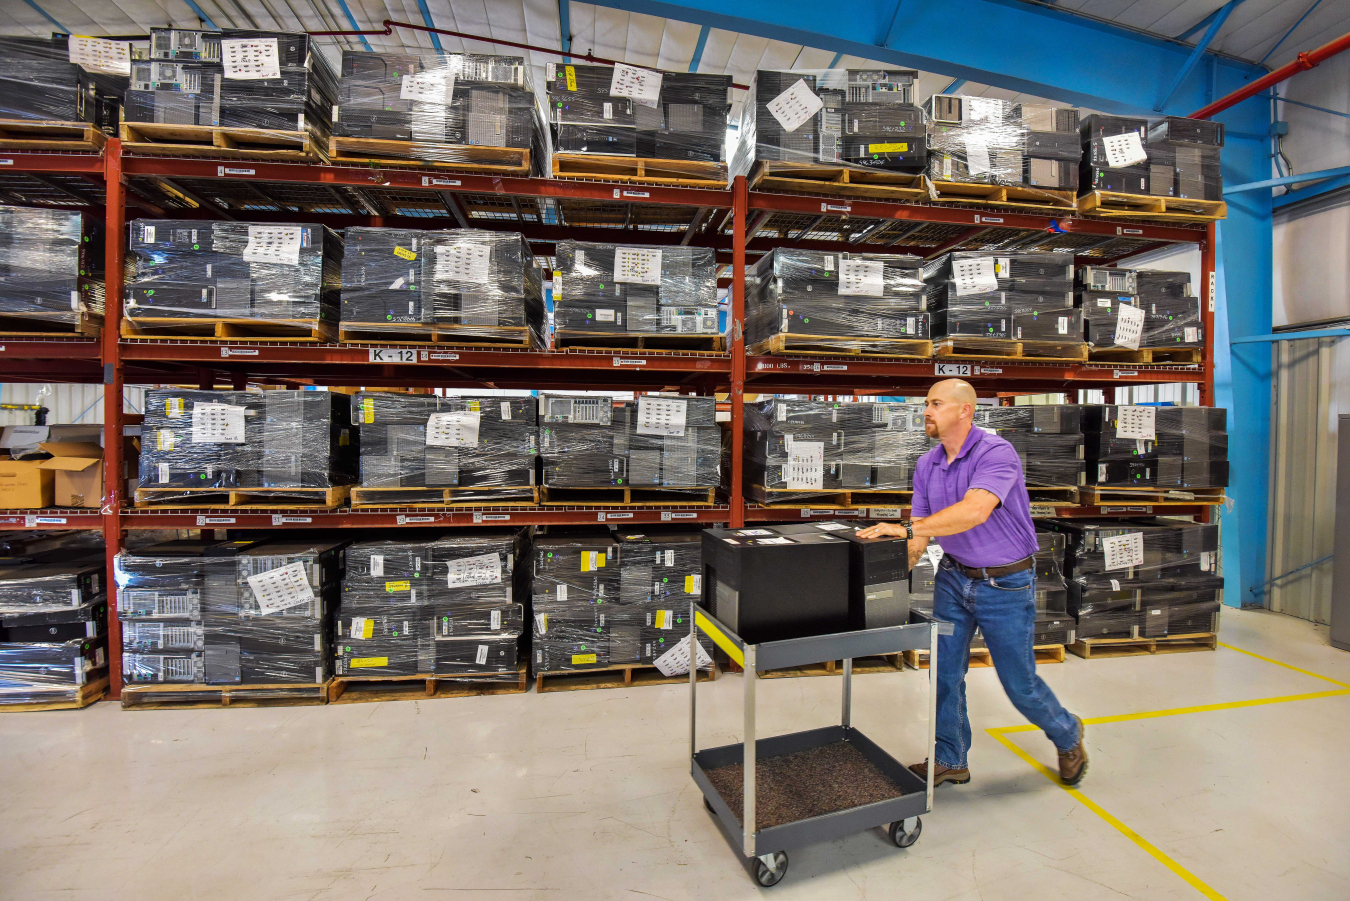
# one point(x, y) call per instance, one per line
point(986, 572)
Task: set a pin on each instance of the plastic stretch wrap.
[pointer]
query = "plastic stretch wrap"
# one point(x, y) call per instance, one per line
point(32, 671)
point(1162, 447)
point(991, 294)
point(424, 441)
point(1047, 438)
point(452, 604)
point(189, 269)
point(642, 113)
point(805, 445)
point(1052, 592)
point(38, 587)
point(39, 82)
point(618, 289)
point(990, 141)
point(1142, 578)
point(477, 281)
point(51, 265)
point(653, 442)
point(276, 80)
point(1173, 157)
point(606, 599)
point(858, 118)
point(1172, 316)
point(42, 546)
point(859, 295)
point(447, 105)
point(53, 622)
point(211, 613)
point(247, 439)
point(180, 84)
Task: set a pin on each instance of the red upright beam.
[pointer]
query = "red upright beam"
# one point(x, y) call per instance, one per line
point(113, 476)
point(1207, 292)
point(740, 204)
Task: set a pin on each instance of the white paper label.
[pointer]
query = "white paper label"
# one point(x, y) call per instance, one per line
point(250, 58)
point(637, 265)
point(977, 155)
point(1062, 326)
point(506, 411)
point(1191, 334)
point(377, 564)
point(1207, 561)
point(604, 315)
point(1115, 585)
point(541, 623)
point(643, 85)
point(1137, 422)
point(495, 621)
point(1124, 551)
point(464, 263)
point(273, 244)
point(806, 465)
point(484, 569)
point(480, 658)
point(428, 87)
point(453, 429)
point(217, 424)
point(359, 627)
point(1124, 150)
point(608, 110)
point(794, 107)
point(562, 591)
point(974, 275)
point(280, 588)
point(862, 277)
point(675, 662)
point(1129, 326)
point(661, 415)
point(983, 109)
point(98, 55)
point(664, 619)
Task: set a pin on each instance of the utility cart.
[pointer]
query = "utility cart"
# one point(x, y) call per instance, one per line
point(816, 785)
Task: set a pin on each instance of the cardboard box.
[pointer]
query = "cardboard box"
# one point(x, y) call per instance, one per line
point(77, 469)
point(24, 484)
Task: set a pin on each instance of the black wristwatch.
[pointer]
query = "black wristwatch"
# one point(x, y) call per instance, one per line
point(909, 530)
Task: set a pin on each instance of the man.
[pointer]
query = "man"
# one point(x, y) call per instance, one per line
point(970, 494)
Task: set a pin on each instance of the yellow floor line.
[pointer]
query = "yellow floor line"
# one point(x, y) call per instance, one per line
point(1178, 711)
point(1286, 666)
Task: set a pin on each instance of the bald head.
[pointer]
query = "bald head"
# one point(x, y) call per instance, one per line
point(949, 410)
point(955, 391)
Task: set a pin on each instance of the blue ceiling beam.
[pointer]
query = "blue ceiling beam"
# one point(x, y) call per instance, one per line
point(1295, 179)
point(956, 85)
point(1194, 59)
point(893, 26)
point(346, 10)
point(426, 20)
point(1320, 109)
point(1308, 193)
point(834, 62)
point(1284, 37)
point(42, 12)
point(565, 29)
point(698, 48)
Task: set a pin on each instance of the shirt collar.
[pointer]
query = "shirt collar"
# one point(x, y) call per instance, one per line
point(976, 435)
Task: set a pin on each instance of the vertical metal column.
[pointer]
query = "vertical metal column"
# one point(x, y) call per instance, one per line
point(748, 757)
point(1208, 289)
point(740, 204)
point(113, 470)
point(846, 719)
point(693, 683)
point(932, 707)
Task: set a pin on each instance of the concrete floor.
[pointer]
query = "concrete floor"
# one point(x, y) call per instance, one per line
point(587, 794)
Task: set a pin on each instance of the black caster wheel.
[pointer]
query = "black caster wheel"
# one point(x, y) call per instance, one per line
point(902, 838)
point(708, 804)
point(771, 868)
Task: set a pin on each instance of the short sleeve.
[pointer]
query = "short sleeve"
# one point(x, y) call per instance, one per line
point(998, 472)
point(919, 504)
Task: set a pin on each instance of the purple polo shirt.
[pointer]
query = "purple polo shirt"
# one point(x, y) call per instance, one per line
point(989, 462)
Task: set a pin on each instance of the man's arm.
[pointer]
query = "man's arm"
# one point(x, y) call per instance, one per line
point(967, 513)
point(917, 548)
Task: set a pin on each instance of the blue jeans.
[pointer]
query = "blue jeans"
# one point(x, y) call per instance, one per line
point(1004, 608)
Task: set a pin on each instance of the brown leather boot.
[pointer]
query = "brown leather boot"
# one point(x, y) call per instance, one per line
point(941, 774)
point(1073, 764)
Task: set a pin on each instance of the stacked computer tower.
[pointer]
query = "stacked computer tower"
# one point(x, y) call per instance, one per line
point(51, 267)
point(1053, 148)
point(620, 289)
point(1172, 157)
point(467, 282)
point(655, 441)
point(276, 80)
point(1004, 295)
point(179, 270)
point(1192, 148)
point(1172, 317)
point(1048, 439)
point(222, 440)
point(39, 82)
point(846, 301)
point(801, 446)
point(415, 445)
point(1156, 447)
point(978, 139)
point(180, 84)
point(452, 604)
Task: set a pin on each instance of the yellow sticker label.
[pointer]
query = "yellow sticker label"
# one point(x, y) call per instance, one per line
point(475, 406)
point(360, 662)
point(397, 586)
point(578, 659)
point(557, 284)
point(367, 409)
point(173, 407)
point(165, 440)
point(366, 629)
point(344, 438)
point(592, 560)
point(405, 253)
point(571, 74)
point(663, 619)
point(690, 585)
point(887, 148)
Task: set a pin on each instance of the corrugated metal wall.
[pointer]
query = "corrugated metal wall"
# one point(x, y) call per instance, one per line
point(67, 403)
point(1311, 387)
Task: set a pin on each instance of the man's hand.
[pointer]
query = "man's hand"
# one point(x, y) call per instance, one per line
point(883, 530)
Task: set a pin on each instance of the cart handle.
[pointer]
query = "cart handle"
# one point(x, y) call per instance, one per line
point(713, 629)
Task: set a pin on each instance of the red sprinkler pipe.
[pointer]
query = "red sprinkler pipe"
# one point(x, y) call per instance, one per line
point(1301, 63)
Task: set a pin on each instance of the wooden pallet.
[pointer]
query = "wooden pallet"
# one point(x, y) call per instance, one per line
point(166, 328)
point(201, 697)
point(577, 340)
point(825, 345)
point(21, 134)
point(435, 333)
point(85, 325)
point(63, 699)
point(444, 497)
point(1017, 196)
point(838, 181)
point(831, 499)
point(1145, 355)
point(244, 498)
point(881, 663)
point(343, 151)
point(1099, 495)
point(1007, 348)
point(626, 675)
point(1089, 648)
point(1115, 205)
point(602, 167)
point(627, 496)
point(980, 657)
point(221, 142)
point(370, 689)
